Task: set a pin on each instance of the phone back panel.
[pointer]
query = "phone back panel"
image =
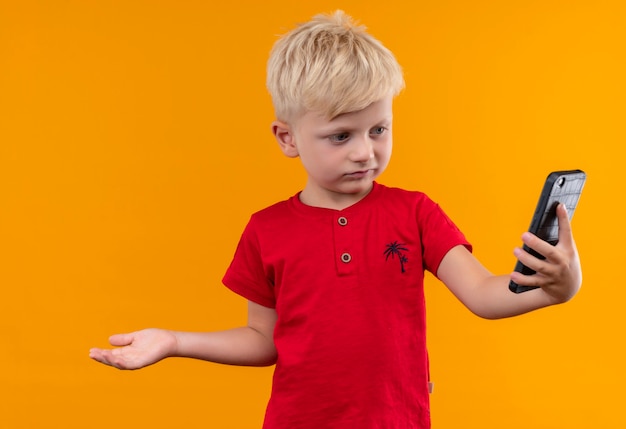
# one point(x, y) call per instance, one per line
point(560, 187)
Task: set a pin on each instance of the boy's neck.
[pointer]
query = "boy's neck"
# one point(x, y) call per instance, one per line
point(331, 200)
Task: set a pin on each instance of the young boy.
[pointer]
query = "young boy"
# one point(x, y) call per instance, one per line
point(334, 275)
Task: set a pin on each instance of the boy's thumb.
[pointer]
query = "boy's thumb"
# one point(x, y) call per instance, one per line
point(121, 339)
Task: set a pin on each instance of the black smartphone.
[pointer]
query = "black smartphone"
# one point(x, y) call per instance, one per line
point(560, 187)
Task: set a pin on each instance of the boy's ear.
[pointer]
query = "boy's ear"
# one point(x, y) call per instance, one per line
point(285, 138)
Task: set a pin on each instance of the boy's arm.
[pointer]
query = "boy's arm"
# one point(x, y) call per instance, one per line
point(558, 276)
point(251, 345)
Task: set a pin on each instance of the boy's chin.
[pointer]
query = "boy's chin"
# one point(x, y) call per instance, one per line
point(356, 187)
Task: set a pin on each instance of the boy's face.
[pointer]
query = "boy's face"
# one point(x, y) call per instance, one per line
point(341, 156)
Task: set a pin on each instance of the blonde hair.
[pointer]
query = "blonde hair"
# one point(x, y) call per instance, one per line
point(332, 66)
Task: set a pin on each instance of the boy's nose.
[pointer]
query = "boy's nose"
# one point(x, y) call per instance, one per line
point(363, 150)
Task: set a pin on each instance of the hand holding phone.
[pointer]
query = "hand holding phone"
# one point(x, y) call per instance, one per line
point(560, 187)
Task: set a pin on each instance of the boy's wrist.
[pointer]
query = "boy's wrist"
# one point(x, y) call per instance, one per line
point(173, 346)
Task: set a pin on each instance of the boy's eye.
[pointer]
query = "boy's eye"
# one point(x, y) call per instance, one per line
point(339, 138)
point(378, 130)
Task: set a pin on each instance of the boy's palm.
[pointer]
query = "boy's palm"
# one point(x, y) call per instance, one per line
point(137, 349)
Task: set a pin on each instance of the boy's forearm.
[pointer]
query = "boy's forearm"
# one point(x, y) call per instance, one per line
point(240, 346)
point(488, 295)
point(494, 300)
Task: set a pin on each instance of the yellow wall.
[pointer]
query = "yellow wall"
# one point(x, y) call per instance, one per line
point(134, 144)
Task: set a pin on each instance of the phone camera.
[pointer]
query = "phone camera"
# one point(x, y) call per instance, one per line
point(560, 182)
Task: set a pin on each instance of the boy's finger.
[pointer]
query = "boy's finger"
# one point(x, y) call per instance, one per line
point(565, 227)
point(99, 355)
point(527, 259)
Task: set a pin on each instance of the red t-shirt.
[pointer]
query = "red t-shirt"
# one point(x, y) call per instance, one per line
point(348, 290)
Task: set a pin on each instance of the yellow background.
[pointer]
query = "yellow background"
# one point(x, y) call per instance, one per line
point(135, 143)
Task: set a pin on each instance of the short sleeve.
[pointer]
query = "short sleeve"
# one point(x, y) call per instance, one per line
point(439, 234)
point(246, 275)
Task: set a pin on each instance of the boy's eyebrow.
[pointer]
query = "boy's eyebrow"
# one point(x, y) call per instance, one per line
point(347, 125)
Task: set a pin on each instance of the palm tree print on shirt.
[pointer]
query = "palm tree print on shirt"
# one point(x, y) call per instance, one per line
point(394, 249)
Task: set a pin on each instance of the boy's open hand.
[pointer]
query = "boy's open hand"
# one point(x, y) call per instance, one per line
point(559, 275)
point(137, 349)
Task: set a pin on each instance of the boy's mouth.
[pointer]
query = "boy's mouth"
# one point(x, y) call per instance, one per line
point(360, 174)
